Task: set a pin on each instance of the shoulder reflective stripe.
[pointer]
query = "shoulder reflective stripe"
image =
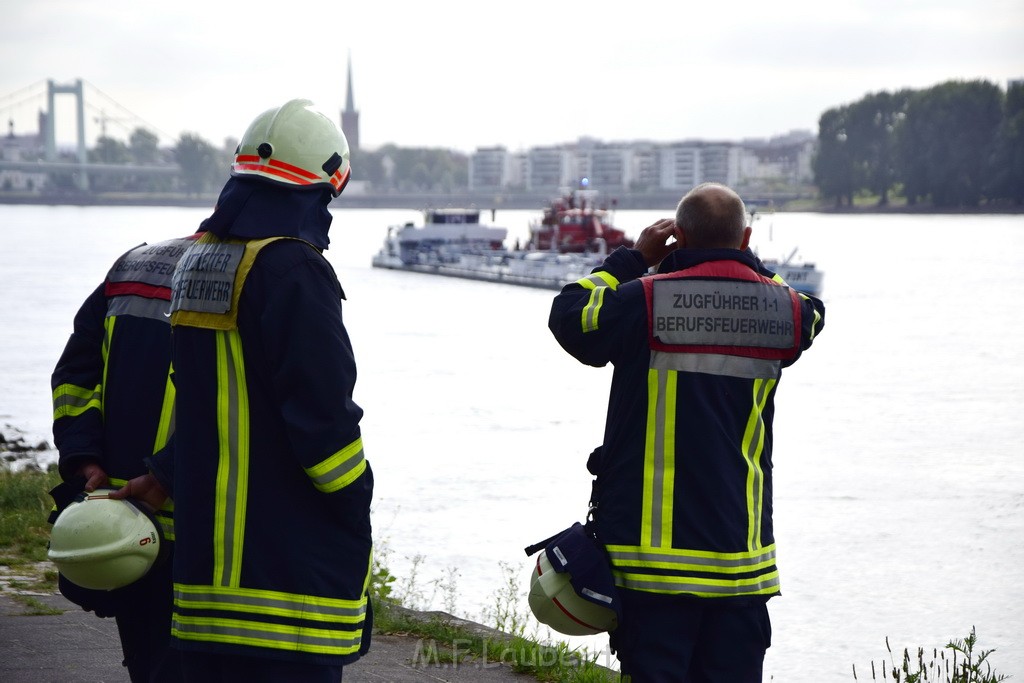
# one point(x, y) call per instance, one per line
point(601, 278)
point(233, 463)
point(71, 401)
point(339, 470)
point(753, 447)
point(716, 364)
point(659, 459)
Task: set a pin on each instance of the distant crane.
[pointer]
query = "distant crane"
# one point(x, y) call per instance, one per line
point(103, 119)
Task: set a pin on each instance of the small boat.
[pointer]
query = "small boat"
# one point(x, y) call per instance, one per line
point(572, 237)
point(803, 276)
point(800, 275)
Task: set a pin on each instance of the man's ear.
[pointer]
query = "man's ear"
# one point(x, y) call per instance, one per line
point(746, 237)
point(680, 237)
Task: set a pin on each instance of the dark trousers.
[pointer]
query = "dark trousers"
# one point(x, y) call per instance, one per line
point(204, 667)
point(679, 639)
point(144, 624)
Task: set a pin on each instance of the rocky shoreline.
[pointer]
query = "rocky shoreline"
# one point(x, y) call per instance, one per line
point(17, 452)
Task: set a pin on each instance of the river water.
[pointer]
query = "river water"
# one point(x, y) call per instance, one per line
point(899, 477)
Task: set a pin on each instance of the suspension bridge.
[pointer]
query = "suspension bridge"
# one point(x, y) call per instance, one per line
point(32, 115)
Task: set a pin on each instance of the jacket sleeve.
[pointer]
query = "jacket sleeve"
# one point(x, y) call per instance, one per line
point(812, 319)
point(587, 316)
point(314, 373)
point(77, 385)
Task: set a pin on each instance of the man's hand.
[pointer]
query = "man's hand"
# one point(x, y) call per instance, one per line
point(95, 476)
point(654, 243)
point(145, 488)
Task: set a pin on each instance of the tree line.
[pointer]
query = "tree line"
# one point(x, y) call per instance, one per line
point(959, 144)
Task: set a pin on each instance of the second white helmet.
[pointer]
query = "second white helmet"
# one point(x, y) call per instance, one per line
point(102, 544)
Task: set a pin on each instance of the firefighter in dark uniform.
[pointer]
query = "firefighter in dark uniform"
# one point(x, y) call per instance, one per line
point(113, 406)
point(271, 488)
point(683, 487)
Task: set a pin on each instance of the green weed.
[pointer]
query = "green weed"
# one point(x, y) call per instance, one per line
point(965, 664)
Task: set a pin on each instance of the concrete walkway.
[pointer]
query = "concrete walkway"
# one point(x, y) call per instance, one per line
point(76, 646)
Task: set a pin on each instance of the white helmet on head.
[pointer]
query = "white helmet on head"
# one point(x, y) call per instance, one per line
point(101, 543)
point(294, 145)
point(571, 586)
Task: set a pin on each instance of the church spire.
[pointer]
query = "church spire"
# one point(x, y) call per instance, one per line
point(349, 115)
point(349, 99)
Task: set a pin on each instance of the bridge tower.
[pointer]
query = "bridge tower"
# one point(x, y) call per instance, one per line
point(52, 89)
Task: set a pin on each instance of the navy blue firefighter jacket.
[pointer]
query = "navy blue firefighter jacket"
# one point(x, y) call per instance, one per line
point(683, 487)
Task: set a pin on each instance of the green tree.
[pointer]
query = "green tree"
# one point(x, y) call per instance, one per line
point(870, 128)
point(199, 161)
point(833, 162)
point(143, 146)
point(109, 151)
point(1009, 158)
point(947, 141)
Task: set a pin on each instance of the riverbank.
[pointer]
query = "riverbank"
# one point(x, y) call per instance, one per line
point(659, 201)
point(44, 637)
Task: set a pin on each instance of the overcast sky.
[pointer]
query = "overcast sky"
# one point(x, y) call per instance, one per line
point(465, 74)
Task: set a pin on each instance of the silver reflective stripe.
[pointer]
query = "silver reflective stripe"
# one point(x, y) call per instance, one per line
point(74, 404)
point(717, 364)
point(266, 602)
point(341, 467)
point(656, 460)
point(765, 584)
point(742, 561)
point(140, 307)
point(592, 308)
point(229, 526)
point(279, 636)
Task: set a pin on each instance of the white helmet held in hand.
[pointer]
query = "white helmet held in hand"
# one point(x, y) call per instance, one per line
point(102, 544)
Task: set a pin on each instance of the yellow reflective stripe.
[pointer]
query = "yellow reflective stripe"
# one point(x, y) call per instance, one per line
point(764, 584)
point(659, 458)
point(165, 427)
point(272, 636)
point(597, 283)
point(588, 318)
point(275, 603)
point(753, 447)
point(601, 278)
point(108, 336)
point(816, 324)
point(233, 459)
point(331, 625)
point(340, 469)
point(681, 559)
point(70, 400)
